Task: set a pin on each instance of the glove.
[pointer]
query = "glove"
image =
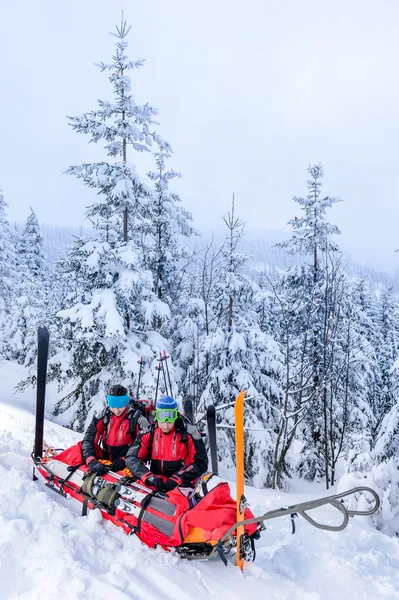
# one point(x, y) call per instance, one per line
point(118, 465)
point(96, 467)
point(170, 484)
point(155, 482)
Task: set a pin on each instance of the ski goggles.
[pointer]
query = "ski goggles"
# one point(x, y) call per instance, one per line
point(166, 415)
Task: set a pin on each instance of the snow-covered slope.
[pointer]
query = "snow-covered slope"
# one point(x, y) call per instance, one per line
point(48, 551)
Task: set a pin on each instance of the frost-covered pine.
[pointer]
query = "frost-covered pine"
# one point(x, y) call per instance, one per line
point(196, 321)
point(311, 233)
point(8, 275)
point(28, 310)
point(7, 259)
point(108, 323)
point(31, 248)
point(169, 223)
point(236, 354)
point(320, 288)
point(122, 124)
point(388, 352)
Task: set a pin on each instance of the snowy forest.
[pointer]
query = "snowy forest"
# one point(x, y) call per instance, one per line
point(315, 344)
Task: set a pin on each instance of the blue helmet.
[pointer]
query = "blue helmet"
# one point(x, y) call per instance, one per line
point(167, 402)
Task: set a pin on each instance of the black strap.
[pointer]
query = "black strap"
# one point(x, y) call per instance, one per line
point(181, 428)
point(293, 517)
point(221, 553)
point(144, 505)
point(84, 507)
point(253, 549)
point(133, 420)
point(150, 443)
point(71, 470)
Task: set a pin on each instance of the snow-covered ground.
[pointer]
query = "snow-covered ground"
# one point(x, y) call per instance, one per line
point(48, 551)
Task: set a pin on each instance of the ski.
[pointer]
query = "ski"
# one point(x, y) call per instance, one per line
point(160, 504)
point(133, 492)
point(188, 411)
point(42, 355)
point(211, 422)
point(241, 501)
point(164, 526)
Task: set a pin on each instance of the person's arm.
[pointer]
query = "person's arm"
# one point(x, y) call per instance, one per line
point(197, 460)
point(138, 454)
point(90, 438)
point(142, 424)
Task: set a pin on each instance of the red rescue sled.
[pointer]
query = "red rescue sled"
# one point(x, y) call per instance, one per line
point(193, 522)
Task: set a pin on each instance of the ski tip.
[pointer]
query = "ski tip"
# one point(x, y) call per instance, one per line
point(42, 332)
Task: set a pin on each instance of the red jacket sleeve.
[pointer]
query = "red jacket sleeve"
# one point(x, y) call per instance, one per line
point(91, 438)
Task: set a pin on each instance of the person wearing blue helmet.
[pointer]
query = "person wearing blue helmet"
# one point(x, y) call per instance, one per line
point(173, 448)
point(110, 434)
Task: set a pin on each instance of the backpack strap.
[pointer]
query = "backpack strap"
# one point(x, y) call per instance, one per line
point(182, 429)
point(105, 417)
point(133, 420)
point(135, 411)
point(150, 443)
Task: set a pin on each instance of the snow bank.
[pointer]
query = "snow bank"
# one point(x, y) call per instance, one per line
point(48, 551)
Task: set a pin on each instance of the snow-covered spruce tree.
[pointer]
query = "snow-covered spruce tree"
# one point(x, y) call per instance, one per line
point(289, 306)
point(196, 321)
point(7, 271)
point(373, 459)
point(109, 323)
point(386, 406)
point(29, 307)
point(312, 238)
point(236, 355)
point(388, 352)
point(31, 248)
point(164, 252)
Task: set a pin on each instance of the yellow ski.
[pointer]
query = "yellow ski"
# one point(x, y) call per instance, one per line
point(239, 427)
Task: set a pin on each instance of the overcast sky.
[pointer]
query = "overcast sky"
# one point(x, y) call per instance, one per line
point(249, 94)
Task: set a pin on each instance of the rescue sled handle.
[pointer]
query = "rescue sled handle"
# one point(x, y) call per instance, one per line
point(303, 508)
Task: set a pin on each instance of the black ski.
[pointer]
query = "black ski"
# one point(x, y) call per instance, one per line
point(211, 422)
point(188, 410)
point(42, 355)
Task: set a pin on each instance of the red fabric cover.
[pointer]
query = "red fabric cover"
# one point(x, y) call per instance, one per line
point(214, 514)
point(71, 456)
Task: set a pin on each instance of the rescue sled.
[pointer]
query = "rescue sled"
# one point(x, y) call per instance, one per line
point(200, 523)
point(191, 521)
point(196, 523)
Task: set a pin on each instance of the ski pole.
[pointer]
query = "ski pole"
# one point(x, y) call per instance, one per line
point(161, 358)
point(140, 373)
point(167, 370)
point(158, 368)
